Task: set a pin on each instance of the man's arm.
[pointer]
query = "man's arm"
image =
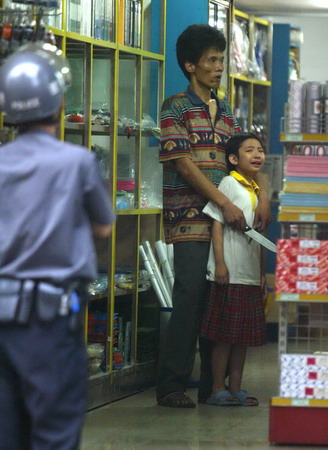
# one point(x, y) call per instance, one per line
point(263, 215)
point(195, 178)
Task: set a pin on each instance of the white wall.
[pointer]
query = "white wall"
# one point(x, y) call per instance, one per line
point(314, 50)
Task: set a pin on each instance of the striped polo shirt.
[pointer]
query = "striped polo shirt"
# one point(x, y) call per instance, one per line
point(187, 132)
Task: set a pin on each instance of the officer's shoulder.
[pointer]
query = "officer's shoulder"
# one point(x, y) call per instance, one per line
point(76, 151)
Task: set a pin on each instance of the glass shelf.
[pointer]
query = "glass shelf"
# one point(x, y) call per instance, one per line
point(150, 171)
point(153, 26)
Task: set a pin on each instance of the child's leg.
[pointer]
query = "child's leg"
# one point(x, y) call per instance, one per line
point(236, 367)
point(220, 358)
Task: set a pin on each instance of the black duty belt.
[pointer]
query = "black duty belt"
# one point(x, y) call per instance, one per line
point(19, 297)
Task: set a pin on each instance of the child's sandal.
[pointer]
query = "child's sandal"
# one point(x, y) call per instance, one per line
point(245, 399)
point(223, 398)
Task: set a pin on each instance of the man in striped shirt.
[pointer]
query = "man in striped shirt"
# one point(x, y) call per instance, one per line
point(195, 125)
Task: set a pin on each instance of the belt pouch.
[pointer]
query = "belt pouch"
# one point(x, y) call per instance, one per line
point(48, 300)
point(9, 299)
point(26, 302)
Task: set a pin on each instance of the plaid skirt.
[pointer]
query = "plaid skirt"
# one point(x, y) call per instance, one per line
point(234, 313)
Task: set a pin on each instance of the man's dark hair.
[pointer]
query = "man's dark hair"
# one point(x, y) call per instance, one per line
point(233, 145)
point(194, 41)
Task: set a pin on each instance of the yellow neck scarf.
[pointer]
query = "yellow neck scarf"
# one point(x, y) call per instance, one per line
point(252, 188)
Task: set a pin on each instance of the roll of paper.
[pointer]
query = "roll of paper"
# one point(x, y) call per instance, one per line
point(157, 273)
point(163, 259)
point(152, 277)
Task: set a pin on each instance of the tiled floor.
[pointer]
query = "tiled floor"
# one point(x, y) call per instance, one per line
point(138, 423)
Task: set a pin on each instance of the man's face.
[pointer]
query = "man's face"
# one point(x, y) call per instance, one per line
point(208, 71)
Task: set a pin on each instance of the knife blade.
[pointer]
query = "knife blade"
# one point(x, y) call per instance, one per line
point(260, 239)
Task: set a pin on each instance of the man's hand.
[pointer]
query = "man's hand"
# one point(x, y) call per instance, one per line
point(233, 216)
point(263, 216)
point(221, 273)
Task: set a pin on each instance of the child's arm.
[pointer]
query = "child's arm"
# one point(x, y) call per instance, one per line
point(221, 270)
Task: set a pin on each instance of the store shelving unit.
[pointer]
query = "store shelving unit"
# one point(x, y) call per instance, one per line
point(116, 51)
point(303, 321)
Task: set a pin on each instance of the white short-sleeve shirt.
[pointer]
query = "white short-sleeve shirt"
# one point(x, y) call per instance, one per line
point(241, 254)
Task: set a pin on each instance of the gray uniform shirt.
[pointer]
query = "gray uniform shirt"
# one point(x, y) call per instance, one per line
point(50, 191)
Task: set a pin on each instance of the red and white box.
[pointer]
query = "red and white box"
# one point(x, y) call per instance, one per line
point(301, 266)
point(304, 376)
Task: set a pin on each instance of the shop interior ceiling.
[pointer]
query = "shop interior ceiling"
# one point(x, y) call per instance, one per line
point(284, 7)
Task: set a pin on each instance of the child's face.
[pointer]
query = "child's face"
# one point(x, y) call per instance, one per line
point(251, 158)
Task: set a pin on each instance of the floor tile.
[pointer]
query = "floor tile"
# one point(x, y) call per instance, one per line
point(137, 422)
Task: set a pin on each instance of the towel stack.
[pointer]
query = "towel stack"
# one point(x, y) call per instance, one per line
point(305, 189)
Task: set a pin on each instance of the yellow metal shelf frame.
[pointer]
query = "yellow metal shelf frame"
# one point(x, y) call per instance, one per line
point(299, 402)
point(291, 297)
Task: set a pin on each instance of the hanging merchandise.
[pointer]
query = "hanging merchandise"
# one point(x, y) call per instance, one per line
point(22, 22)
point(240, 50)
point(257, 66)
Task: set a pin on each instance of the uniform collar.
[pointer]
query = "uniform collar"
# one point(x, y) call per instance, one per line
point(242, 180)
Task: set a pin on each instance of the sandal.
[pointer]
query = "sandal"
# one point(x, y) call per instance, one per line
point(177, 400)
point(245, 399)
point(223, 398)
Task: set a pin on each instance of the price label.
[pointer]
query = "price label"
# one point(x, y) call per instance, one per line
point(300, 402)
point(306, 217)
point(309, 243)
point(294, 137)
point(291, 297)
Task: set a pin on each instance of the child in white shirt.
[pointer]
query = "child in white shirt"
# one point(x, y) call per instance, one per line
point(234, 316)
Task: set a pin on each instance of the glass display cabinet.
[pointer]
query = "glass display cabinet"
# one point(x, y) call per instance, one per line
point(116, 52)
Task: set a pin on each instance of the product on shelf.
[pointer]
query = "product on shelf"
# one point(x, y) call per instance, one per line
point(103, 22)
point(304, 376)
point(301, 266)
point(96, 355)
point(97, 327)
point(98, 286)
point(130, 26)
point(76, 118)
point(307, 107)
point(305, 184)
point(78, 16)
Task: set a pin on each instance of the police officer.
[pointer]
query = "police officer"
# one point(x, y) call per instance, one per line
point(52, 198)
